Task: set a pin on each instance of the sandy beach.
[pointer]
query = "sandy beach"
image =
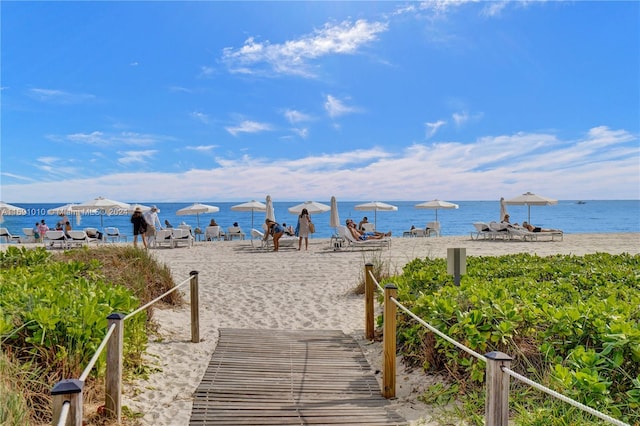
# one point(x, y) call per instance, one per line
point(246, 287)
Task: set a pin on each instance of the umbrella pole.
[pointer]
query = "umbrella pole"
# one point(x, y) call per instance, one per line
point(529, 216)
point(252, 219)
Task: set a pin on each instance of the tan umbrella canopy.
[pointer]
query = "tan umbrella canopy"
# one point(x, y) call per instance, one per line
point(436, 205)
point(67, 209)
point(376, 206)
point(313, 207)
point(250, 206)
point(10, 210)
point(104, 205)
point(197, 209)
point(530, 199)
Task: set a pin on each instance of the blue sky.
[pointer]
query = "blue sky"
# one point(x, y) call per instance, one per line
point(225, 101)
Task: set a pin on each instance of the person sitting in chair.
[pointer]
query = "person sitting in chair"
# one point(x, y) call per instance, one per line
point(364, 236)
point(532, 228)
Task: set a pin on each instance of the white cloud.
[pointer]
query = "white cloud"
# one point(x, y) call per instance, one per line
point(486, 169)
point(302, 132)
point(293, 56)
point(101, 139)
point(248, 126)
point(130, 157)
point(294, 116)
point(202, 117)
point(432, 128)
point(335, 107)
point(202, 148)
point(59, 96)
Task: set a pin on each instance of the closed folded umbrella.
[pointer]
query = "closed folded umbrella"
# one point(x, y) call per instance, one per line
point(271, 214)
point(376, 206)
point(436, 205)
point(313, 207)
point(503, 209)
point(334, 219)
point(530, 199)
point(250, 206)
point(197, 209)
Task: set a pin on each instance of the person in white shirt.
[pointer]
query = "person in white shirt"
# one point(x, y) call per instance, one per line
point(153, 222)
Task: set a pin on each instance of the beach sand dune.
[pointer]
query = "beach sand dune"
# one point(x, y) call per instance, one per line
point(246, 287)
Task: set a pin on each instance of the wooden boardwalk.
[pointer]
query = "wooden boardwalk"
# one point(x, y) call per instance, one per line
point(276, 377)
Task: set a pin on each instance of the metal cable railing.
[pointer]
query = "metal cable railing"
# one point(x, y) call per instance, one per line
point(504, 369)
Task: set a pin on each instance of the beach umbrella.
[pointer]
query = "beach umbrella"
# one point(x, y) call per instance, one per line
point(376, 206)
point(197, 209)
point(313, 207)
point(334, 219)
point(103, 206)
point(271, 214)
point(436, 205)
point(530, 199)
point(503, 209)
point(250, 206)
point(67, 209)
point(10, 210)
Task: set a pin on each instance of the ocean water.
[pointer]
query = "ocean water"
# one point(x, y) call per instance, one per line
point(593, 216)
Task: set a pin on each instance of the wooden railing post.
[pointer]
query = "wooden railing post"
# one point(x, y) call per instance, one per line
point(497, 399)
point(389, 342)
point(113, 380)
point(368, 301)
point(195, 310)
point(68, 390)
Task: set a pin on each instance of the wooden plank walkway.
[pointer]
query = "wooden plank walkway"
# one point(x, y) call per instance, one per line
point(277, 377)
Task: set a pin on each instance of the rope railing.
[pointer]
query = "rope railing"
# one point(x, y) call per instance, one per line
point(67, 394)
point(168, 292)
point(92, 362)
point(498, 371)
point(561, 397)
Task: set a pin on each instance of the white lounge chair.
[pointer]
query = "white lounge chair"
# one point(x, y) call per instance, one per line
point(94, 234)
point(29, 236)
point(212, 233)
point(79, 238)
point(164, 237)
point(6, 235)
point(368, 227)
point(235, 232)
point(432, 228)
point(113, 234)
point(53, 238)
point(181, 236)
point(344, 233)
point(482, 230)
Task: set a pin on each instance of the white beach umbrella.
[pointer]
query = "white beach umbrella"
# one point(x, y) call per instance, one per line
point(376, 206)
point(250, 206)
point(334, 219)
point(436, 205)
point(197, 209)
point(10, 210)
point(68, 209)
point(271, 214)
point(103, 205)
point(313, 207)
point(530, 199)
point(503, 209)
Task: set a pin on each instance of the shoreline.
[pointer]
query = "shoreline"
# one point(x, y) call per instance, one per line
point(247, 287)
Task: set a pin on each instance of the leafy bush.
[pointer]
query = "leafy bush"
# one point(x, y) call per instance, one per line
point(53, 314)
point(569, 322)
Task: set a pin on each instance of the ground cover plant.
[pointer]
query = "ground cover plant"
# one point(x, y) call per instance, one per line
point(571, 323)
point(53, 310)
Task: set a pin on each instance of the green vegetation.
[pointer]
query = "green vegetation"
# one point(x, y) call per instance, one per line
point(571, 323)
point(53, 311)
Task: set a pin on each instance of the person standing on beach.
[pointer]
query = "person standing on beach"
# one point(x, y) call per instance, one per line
point(151, 218)
point(303, 229)
point(139, 227)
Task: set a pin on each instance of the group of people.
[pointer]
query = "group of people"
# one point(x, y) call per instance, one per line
point(41, 228)
point(529, 227)
point(303, 229)
point(360, 234)
point(144, 224)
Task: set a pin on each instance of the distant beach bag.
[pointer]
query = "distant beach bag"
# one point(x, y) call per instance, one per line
point(312, 227)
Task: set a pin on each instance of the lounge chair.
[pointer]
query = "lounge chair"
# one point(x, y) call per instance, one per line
point(53, 238)
point(344, 233)
point(79, 238)
point(212, 233)
point(234, 232)
point(94, 234)
point(164, 237)
point(525, 234)
point(369, 227)
point(432, 228)
point(113, 234)
point(29, 236)
point(6, 235)
point(181, 236)
point(482, 230)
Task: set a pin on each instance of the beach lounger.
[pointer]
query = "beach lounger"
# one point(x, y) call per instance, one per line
point(79, 238)
point(7, 237)
point(234, 232)
point(164, 237)
point(433, 228)
point(55, 238)
point(352, 243)
point(29, 235)
point(113, 234)
point(212, 233)
point(181, 236)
